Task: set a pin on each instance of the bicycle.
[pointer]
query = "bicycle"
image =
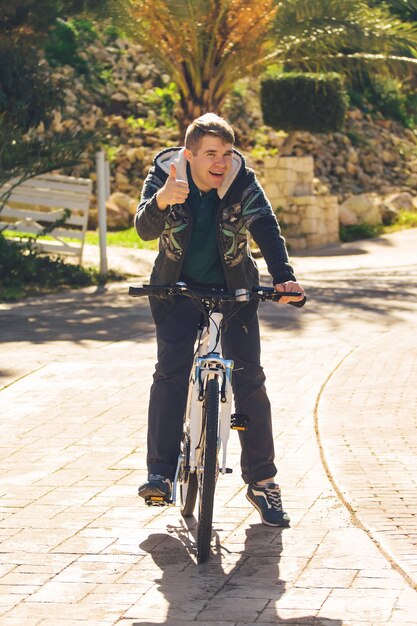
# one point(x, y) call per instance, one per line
point(208, 417)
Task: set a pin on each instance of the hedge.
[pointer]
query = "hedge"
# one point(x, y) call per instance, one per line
point(301, 101)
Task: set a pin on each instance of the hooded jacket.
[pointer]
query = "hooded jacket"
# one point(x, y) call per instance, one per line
point(243, 207)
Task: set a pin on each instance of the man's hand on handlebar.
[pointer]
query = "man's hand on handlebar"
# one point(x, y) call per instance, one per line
point(290, 285)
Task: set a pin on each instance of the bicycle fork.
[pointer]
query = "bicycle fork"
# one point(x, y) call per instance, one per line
point(208, 364)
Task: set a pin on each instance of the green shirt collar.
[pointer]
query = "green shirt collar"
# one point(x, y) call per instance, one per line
point(195, 192)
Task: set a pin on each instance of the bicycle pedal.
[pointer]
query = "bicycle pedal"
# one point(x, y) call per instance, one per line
point(239, 421)
point(156, 501)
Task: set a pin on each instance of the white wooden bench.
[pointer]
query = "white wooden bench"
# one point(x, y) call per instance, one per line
point(43, 200)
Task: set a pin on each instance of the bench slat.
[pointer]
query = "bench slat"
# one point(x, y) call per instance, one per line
point(49, 199)
point(35, 230)
point(59, 248)
point(44, 216)
point(67, 183)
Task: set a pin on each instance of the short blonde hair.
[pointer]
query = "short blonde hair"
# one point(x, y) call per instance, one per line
point(208, 124)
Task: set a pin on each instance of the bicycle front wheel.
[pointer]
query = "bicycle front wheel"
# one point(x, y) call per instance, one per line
point(207, 478)
point(188, 481)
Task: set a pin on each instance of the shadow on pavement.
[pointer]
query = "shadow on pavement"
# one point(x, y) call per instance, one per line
point(75, 317)
point(111, 315)
point(210, 593)
point(375, 295)
point(344, 249)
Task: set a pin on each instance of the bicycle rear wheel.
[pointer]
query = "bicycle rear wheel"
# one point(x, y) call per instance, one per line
point(207, 478)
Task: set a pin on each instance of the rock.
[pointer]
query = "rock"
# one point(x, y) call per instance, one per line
point(400, 201)
point(365, 206)
point(92, 218)
point(124, 201)
point(388, 213)
point(122, 181)
point(351, 168)
point(118, 218)
point(353, 156)
point(388, 157)
point(346, 216)
point(410, 135)
point(355, 114)
point(118, 104)
point(131, 154)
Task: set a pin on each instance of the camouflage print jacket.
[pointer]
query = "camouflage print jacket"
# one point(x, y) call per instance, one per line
point(243, 207)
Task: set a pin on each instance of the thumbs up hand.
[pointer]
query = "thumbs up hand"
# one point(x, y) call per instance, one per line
point(173, 171)
point(173, 192)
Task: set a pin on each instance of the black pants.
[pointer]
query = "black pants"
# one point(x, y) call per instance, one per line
point(176, 336)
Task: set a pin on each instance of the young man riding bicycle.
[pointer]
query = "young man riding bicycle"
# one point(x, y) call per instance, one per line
point(200, 201)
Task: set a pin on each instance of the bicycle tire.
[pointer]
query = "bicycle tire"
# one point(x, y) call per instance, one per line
point(188, 482)
point(207, 479)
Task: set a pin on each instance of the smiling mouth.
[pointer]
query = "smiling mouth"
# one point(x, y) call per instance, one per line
point(218, 174)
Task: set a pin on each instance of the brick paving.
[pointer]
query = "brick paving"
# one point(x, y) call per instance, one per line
point(77, 547)
point(373, 457)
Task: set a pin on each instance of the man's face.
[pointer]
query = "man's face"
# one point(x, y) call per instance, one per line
point(211, 162)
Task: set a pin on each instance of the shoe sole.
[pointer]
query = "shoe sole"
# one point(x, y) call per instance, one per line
point(154, 496)
point(283, 524)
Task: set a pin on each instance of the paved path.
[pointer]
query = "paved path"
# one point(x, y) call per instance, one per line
point(76, 546)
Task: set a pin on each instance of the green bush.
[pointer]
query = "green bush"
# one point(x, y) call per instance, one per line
point(360, 231)
point(61, 47)
point(163, 101)
point(301, 101)
point(23, 270)
point(386, 96)
point(112, 33)
point(85, 30)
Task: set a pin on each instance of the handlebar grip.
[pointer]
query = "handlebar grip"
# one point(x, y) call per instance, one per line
point(300, 303)
point(136, 292)
point(150, 290)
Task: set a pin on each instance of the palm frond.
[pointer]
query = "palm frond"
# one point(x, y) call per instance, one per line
point(323, 27)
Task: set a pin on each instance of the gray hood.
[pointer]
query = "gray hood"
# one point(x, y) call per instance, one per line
point(177, 157)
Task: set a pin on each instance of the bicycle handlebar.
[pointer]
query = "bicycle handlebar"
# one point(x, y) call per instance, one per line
point(214, 294)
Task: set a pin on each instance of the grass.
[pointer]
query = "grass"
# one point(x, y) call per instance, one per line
point(125, 238)
point(405, 220)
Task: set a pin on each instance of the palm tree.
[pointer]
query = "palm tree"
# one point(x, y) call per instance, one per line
point(207, 45)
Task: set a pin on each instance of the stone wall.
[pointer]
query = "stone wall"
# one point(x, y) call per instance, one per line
point(307, 219)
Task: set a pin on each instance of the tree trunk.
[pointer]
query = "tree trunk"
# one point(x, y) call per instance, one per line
point(189, 109)
point(288, 144)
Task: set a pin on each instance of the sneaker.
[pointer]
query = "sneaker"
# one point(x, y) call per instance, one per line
point(156, 491)
point(267, 500)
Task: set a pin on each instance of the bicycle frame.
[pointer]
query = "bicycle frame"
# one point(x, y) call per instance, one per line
point(208, 363)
